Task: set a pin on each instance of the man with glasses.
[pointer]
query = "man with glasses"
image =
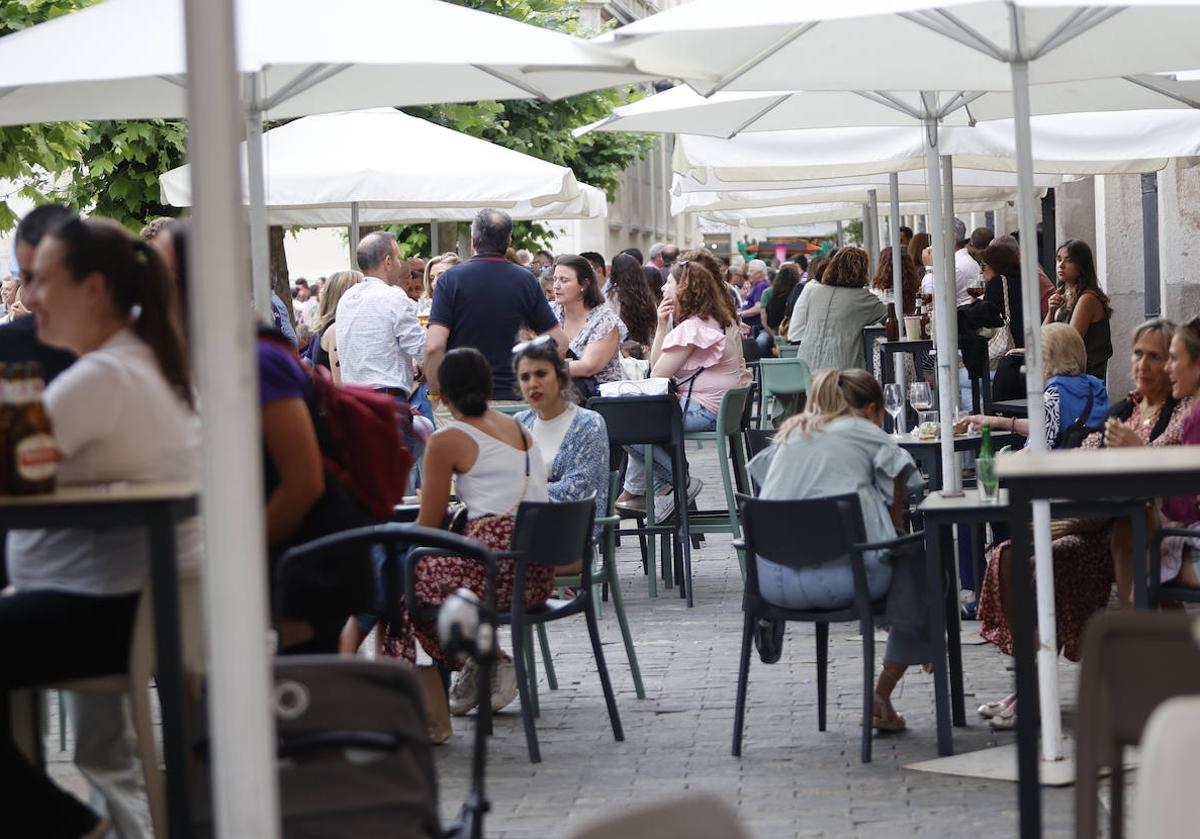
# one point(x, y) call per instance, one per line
point(483, 303)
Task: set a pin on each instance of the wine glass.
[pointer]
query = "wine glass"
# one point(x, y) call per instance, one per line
point(893, 403)
point(920, 396)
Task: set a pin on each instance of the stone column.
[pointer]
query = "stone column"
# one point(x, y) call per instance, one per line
point(1120, 266)
point(1075, 211)
point(1178, 232)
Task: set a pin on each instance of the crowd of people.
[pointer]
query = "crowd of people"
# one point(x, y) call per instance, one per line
point(489, 361)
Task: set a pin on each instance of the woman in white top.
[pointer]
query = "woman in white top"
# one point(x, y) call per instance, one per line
point(494, 465)
point(123, 412)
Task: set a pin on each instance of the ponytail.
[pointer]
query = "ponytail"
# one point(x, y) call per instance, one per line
point(136, 276)
point(833, 394)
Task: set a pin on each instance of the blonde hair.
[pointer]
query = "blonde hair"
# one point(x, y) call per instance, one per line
point(833, 394)
point(1063, 352)
point(335, 287)
point(449, 258)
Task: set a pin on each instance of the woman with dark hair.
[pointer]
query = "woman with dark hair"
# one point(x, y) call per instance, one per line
point(124, 412)
point(654, 281)
point(630, 297)
point(593, 329)
point(494, 464)
point(774, 299)
point(1001, 270)
point(1079, 301)
point(830, 315)
point(703, 353)
point(910, 280)
point(573, 440)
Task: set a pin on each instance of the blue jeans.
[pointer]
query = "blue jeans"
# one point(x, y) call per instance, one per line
point(385, 595)
point(766, 343)
point(696, 417)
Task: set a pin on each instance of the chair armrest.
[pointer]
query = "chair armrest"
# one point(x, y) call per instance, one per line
point(1164, 532)
point(898, 542)
point(608, 521)
point(739, 544)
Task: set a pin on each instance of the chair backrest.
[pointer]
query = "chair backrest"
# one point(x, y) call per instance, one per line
point(788, 350)
point(640, 420)
point(758, 440)
point(732, 416)
point(554, 533)
point(784, 375)
point(831, 527)
point(510, 409)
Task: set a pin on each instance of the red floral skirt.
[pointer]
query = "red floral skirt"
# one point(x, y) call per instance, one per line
point(438, 576)
point(1083, 579)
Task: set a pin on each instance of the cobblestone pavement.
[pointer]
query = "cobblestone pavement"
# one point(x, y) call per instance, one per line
point(791, 781)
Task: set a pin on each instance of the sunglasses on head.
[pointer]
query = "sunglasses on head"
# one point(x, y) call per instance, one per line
point(539, 341)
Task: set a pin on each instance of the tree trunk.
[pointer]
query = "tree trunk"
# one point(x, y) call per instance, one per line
point(280, 282)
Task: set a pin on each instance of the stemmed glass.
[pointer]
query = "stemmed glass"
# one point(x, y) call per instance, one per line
point(920, 396)
point(893, 403)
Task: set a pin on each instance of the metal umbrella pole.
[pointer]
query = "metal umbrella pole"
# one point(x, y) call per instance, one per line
point(897, 281)
point(261, 286)
point(354, 237)
point(246, 797)
point(945, 312)
point(873, 210)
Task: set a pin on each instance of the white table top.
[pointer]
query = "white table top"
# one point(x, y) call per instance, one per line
point(102, 493)
point(1100, 463)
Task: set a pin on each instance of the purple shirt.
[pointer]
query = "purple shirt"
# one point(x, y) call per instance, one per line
point(1182, 508)
point(280, 375)
point(752, 299)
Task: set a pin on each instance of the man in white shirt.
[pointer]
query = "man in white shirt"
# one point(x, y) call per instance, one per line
point(966, 269)
point(379, 339)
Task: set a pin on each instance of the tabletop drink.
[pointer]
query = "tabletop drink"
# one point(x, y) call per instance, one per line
point(985, 469)
point(892, 326)
point(30, 450)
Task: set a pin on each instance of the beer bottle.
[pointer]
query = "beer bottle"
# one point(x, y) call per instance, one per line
point(892, 326)
point(33, 455)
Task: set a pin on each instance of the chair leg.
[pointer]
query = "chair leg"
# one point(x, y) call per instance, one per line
point(739, 708)
point(530, 669)
point(547, 661)
point(868, 636)
point(668, 560)
point(623, 623)
point(1117, 795)
point(521, 650)
point(822, 672)
point(143, 726)
point(609, 699)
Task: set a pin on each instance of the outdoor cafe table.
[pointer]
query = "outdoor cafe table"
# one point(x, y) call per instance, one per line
point(1011, 407)
point(940, 513)
point(889, 350)
point(928, 453)
point(157, 508)
point(1081, 475)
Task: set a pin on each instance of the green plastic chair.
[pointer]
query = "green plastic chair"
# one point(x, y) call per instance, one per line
point(605, 576)
point(782, 377)
point(786, 349)
point(511, 410)
point(732, 419)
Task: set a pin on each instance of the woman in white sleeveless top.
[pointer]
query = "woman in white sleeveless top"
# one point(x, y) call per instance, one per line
point(495, 466)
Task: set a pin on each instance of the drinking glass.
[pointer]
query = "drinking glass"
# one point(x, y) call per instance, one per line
point(920, 396)
point(893, 403)
point(986, 480)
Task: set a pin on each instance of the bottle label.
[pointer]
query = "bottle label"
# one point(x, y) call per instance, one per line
point(36, 458)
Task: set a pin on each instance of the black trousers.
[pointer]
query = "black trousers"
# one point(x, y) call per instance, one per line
point(50, 636)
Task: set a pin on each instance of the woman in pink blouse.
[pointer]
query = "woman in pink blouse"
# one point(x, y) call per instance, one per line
point(703, 354)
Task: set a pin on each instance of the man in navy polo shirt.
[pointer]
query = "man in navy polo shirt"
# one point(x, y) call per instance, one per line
point(483, 303)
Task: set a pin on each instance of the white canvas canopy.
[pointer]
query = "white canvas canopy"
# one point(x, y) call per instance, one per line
point(306, 56)
point(762, 218)
point(396, 168)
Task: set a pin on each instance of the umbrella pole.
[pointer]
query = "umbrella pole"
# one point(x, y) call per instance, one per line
point(260, 243)
point(1047, 656)
point(897, 278)
point(873, 209)
point(353, 234)
point(944, 315)
point(434, 244)
point(952, 480)
point(242, 726)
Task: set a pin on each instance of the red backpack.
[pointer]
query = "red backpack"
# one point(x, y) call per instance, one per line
point(362, 443)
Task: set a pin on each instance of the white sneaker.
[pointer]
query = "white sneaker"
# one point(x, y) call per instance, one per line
point(664, 506)
point(504, 684)
point(695, 485)
point(464, 693)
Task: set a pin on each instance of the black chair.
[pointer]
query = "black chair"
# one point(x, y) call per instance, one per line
point(833, 529)
point(654, 420)
point(1158, 591)
point(758, 440)
point(553, 534)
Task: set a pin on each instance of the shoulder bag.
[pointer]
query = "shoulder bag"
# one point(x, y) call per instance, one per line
point(1001, 342)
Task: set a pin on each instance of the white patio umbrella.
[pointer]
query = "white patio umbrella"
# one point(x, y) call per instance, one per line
point(761, 218)
point(294, 57)
point(382, 166)
point(978, 45)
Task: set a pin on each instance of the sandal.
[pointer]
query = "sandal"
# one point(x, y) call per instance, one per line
point(1005, 720)
point(883, 722)
point(990, 710)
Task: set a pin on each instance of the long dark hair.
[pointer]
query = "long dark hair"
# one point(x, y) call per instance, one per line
point(910, 282)
point(781, 289)
point(700, 294)
point(136, 277)
point(634, 297)
point(586, 275)
point(1080, 253)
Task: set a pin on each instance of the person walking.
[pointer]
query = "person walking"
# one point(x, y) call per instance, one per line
point(483, 303)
